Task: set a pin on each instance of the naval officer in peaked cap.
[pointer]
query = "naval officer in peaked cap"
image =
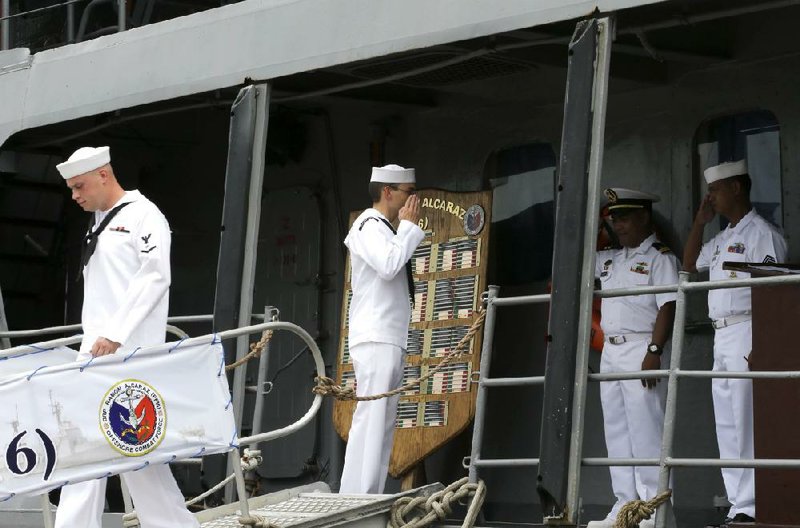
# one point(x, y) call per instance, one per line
point(747, 238)
point(636, 328)
point(126, 278)
point(381, 242)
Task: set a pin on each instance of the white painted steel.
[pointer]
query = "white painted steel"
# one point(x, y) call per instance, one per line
point(257, 39)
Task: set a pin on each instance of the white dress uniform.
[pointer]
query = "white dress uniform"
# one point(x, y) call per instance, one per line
point(753, 239)
point(126, 299)
point(378, 332)
point(632, 414)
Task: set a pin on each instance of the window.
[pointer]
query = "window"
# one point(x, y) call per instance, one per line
point(754, 136)
point(523, 181)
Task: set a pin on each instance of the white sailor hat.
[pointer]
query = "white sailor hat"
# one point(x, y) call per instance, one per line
point(83, 160)
point(725, 170)
point(620, 198)
point(392, 174)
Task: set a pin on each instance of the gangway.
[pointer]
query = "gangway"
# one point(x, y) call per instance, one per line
point(306, 506)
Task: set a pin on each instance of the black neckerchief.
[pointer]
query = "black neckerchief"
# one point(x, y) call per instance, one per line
point(409, 272)
point(90, 240)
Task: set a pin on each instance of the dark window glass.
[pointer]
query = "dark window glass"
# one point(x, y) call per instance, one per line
point(523, 181)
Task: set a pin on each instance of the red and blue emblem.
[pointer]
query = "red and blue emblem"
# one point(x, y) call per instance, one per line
point(133, 417)
point(738, 247)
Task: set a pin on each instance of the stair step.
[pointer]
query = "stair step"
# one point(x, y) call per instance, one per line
point(315, 507)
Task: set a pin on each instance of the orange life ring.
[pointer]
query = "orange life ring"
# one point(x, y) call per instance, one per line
point(596, 337)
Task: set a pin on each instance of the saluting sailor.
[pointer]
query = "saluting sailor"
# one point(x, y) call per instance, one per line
point(126, 278)
point(636, 329)
point(381, 242)
point(747, 238)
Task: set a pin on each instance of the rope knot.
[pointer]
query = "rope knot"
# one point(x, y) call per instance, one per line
point(418, 512)
point(255, 350)
point(251, 459)
point(326, 386)
point(635, 511)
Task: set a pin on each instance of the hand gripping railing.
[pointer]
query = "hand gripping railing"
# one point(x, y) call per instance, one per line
point(252, 440)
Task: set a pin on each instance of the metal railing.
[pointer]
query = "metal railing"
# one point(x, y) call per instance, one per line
point(666, 461)
point(6, 17)
point(254, 439)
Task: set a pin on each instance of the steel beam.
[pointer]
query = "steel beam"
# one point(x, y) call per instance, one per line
point(571, 201)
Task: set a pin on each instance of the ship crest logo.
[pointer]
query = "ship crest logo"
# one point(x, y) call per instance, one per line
point(133, 417)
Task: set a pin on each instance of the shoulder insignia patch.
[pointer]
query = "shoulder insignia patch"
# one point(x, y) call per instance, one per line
point(769, 259)
point(661, 247)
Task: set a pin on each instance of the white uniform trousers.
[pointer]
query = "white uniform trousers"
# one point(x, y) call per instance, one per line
point(634, 420)
point(378, 368)
point(156, 497)
point(155, 494)
point(733, 412)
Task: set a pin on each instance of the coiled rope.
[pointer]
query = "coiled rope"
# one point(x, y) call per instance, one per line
point(635, 511)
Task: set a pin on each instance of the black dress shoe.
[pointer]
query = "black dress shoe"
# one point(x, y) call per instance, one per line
point(738, 518)
point(723, 524)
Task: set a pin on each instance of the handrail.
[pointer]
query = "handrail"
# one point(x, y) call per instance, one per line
point(11, 334)
point(37, 10)
point(646, 290)
point(208, 338)
point(252, 440)
point(666, 461)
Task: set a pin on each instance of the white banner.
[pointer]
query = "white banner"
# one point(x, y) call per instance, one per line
point(89, 419)
point(34, 357)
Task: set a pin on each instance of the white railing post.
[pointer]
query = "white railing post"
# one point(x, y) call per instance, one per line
point(121, 15)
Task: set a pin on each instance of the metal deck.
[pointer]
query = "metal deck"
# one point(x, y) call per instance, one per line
point(312, 506)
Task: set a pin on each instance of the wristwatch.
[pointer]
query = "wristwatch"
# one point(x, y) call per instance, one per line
point(655, 349)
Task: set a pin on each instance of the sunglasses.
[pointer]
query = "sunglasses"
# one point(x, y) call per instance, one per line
point(407, 191)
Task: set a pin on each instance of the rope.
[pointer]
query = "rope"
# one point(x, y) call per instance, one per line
point(250, 460)
point(327, 386)
point(635, 511)
point(418, 512)
point(255, 351)
point(256, 521)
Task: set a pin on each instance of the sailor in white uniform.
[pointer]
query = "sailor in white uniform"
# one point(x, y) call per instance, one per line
point(381, 242)
point(747, 238)
point(126, 278)
point(636, 328)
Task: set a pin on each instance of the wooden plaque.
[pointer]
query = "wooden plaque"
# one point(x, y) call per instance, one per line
point(450, 275)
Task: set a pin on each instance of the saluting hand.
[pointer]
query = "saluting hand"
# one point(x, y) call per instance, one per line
point(706, 212)
point(410, 211)
point(104, 347)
